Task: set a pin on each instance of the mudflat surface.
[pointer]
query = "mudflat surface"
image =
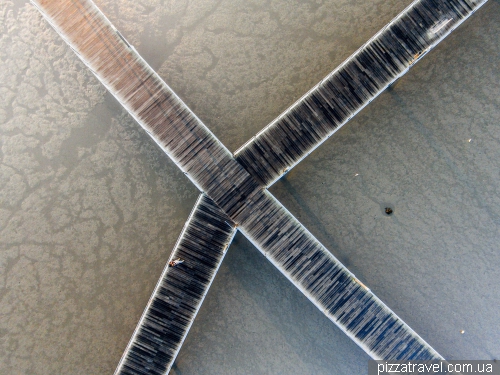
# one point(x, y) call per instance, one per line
point(90, 208)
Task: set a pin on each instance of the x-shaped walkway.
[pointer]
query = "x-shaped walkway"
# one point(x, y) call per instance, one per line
point(233, 187)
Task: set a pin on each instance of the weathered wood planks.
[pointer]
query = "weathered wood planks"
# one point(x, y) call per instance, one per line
point(349, 88)
point(329, 284)
point(237, 191)
point(180, 291)
point(177, 130)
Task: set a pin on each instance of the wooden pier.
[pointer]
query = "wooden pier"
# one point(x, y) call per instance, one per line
point(349, 88)
point(171, 124)
point(234, 187)
point(330, 285)
point(180, 291)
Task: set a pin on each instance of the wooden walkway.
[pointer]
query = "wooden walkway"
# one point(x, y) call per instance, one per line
point(235, 193)
point(172, 125)
point(330, 285)
point(180, 291)
point(349, 88)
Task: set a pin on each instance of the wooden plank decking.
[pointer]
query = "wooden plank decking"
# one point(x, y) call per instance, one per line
point(180, 292)
point(349, 88)
point(232, 192)
point(329, 284)
point(172, 125)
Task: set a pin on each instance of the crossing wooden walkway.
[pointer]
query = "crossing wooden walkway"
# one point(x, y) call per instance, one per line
point(235, 193)
point(349, 88)
point(180, 291)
